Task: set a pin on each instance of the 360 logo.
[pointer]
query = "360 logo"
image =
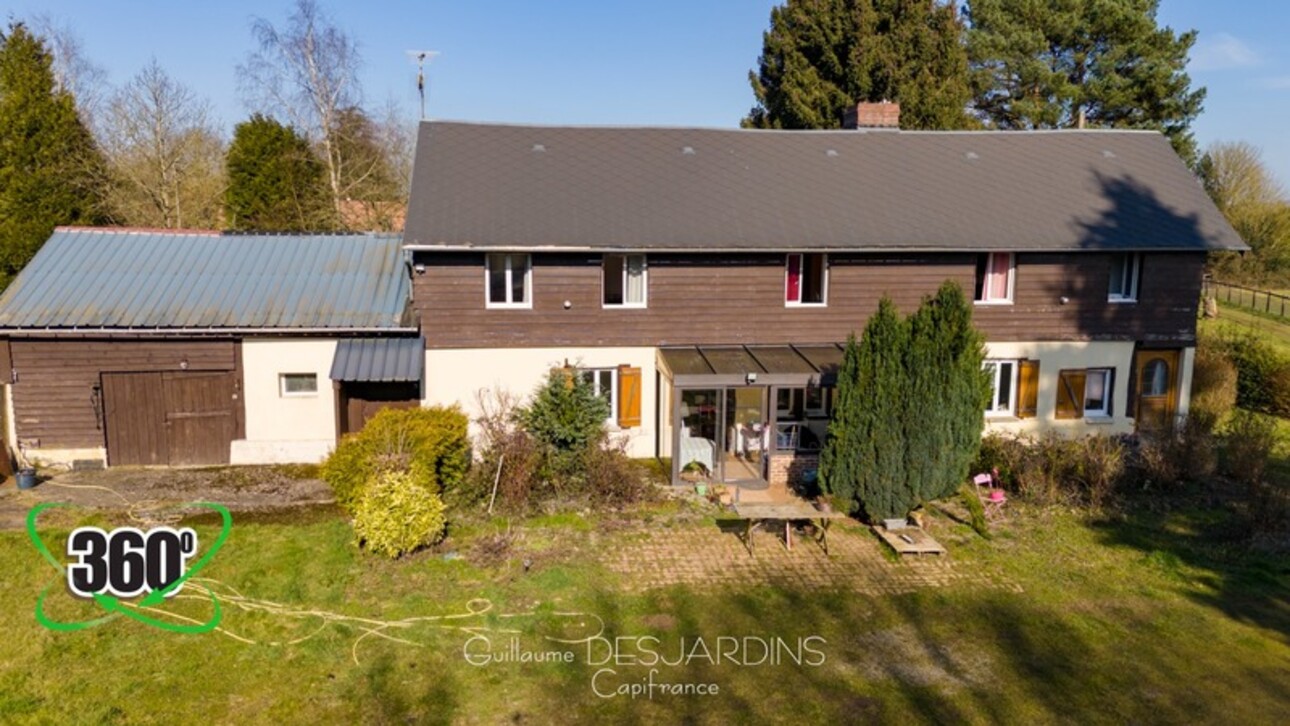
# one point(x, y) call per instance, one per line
point(126, 563)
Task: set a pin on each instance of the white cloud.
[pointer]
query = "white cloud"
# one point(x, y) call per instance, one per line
point(1222, 51)
point(1275, 83)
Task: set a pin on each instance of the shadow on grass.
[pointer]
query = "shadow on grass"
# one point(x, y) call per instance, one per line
point(1209, 534)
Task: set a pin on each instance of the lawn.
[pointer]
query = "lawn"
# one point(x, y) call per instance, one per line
point(1153, 617)
point(1237, 321)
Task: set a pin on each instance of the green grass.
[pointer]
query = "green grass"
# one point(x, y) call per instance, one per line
point(1154, 617)
point(1237, 321)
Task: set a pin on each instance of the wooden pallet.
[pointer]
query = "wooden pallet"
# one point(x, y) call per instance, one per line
point(910, 541)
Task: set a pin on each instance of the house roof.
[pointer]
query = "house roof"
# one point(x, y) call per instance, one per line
point(135, 279)
point(484, 186)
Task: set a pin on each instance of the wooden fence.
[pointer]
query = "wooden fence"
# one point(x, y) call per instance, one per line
point(1264, 301)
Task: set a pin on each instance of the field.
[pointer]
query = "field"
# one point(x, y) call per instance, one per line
point(1160, 615)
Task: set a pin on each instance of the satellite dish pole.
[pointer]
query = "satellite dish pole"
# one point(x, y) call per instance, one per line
point(421, 56)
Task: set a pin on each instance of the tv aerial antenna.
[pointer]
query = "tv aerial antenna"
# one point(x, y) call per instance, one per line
point(421, 57)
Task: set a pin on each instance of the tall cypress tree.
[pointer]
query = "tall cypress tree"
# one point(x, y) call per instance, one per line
point(1050, 63)
point(864, 456)
point(820, 57)
point(51, 173)
point(947, 394)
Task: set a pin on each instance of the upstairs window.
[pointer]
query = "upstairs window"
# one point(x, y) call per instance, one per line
point(624, 281)
point(1125, 271)
point(509, 278)
point(805, 279)
point(994, 277)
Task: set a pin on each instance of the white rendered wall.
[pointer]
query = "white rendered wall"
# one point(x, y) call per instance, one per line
point(458, 376)
point(1056, 357)
point(286, 429)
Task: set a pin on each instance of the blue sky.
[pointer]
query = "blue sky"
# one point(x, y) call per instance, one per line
point(606, 62)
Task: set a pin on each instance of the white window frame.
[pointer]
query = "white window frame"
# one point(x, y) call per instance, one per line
point(801, 266)
point(997, 364)
point(1012, 280)
point(1107, 380)
point(612, 419)
point(528, 281)
point(1135, 279)
point(644, 303)
point(282, 386)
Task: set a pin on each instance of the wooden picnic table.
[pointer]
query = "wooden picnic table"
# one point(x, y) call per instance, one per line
point(788, 512)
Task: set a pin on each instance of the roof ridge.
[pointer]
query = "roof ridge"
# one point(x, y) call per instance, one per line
point(136, 230)
point(795, 132)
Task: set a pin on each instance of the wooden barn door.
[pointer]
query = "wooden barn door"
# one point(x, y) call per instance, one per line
point(358, 402)
point(200, 420)
point(175, 418)
point(134, 413)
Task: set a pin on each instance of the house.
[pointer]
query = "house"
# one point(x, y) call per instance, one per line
point(703, 280)
point(153, 347)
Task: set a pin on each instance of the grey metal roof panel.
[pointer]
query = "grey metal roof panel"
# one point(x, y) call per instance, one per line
point(502, 186)
point(131, 279)
point(379, 359)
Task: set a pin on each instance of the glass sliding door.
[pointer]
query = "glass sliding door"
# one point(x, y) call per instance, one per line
point(698, 433)
point(745, 434)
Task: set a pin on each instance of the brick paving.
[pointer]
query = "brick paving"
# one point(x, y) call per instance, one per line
point(709, 555)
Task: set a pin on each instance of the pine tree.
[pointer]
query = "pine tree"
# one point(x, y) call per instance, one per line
point(51, 173)
point(1052, 63)
point(820, 57)
point(275, 183)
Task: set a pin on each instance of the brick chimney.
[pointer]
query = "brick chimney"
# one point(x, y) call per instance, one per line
point(866, 115)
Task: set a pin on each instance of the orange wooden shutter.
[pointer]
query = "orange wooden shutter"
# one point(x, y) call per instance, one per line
point(1070, 394)
point(629, 397)
point(1027, 388)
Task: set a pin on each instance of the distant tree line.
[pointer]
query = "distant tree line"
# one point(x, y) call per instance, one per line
point(311, 155)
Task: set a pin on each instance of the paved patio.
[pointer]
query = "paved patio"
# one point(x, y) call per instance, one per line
point(715, 555)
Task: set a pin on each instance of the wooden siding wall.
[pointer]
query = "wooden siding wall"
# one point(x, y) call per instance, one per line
point(739, 299)
point(54, 397)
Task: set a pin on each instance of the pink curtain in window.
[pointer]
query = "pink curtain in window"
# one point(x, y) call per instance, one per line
point(793, 292)
point(996, 283)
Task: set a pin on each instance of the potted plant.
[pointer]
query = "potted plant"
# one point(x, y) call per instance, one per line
point(695, 471)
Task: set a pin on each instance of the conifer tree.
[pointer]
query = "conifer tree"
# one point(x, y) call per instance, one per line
point(275, 183)
point(1106, 63)
point(820, 57)
point(839, 463)
point(51, 173)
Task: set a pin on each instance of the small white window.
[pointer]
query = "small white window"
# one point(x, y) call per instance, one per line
point(298, 384)
point(624, 281)
point(1003, 375)
point(509, 281)
point(1125, 271)
point(994, 278)
point(806, 279)
point(604, 381)
point(1097, 392)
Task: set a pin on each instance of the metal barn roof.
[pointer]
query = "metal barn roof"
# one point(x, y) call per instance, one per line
point(385, 360)
point(125, 279)
point(493, 187)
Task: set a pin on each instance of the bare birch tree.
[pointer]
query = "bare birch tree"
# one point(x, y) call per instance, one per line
point(307, 73)
point(164, 153)
point(73, 71)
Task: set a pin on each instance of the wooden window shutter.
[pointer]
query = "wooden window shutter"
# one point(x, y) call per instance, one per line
point(629, 397)
point(1027, 388)
point(1070, 394)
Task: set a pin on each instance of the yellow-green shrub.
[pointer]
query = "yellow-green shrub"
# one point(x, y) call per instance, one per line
point(429, 444)
point(396, 515)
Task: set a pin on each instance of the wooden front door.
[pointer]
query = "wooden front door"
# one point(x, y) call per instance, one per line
point(175, 418)
point(1156, 376)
